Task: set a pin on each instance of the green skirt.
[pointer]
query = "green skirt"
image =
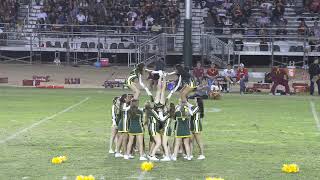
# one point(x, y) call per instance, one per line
point(183, 129)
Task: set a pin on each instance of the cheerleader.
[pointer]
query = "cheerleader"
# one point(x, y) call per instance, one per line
point(188, 83)
point(135, 74)
point(182, 131)
point(154, 130)
point(115, 121)
point(135, 129)
point(167, 130)
point(123, 125)
point(196, 126)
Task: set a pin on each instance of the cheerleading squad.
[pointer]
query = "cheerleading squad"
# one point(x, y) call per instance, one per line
point(163, 119)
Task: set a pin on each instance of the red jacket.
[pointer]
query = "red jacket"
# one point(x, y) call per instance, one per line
point(198, 72)
point(242, 73)
point(212, 72)
point(278, 75)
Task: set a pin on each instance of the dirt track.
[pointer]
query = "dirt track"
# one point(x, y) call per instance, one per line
point(90, 76)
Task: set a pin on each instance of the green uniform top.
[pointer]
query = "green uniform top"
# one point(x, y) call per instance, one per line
point(132, 76)
point(153, 122)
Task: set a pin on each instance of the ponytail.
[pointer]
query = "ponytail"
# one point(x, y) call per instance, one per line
point(134, 108)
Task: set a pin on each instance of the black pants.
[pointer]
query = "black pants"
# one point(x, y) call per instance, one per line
point(312, 87)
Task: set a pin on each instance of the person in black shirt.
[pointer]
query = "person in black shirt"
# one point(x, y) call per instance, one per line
point(314, 71)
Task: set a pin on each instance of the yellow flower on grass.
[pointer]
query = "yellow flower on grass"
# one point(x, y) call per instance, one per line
point(290, 168)
point(146, 166)
point(56, 160)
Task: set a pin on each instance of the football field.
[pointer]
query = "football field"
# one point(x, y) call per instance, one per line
point(246, 137)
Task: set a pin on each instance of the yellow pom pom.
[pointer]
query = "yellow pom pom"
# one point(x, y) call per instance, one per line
point(209, 178)
point(80, 177)
point(151, 165)
point(90, 177)
point(63, 158)
point(146, 166)
point(56, 160)
point(85, 178)
point(290, 168)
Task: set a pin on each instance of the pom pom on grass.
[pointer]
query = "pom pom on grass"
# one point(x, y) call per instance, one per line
point(147, 166)
point(290, 168)
point(56, 160)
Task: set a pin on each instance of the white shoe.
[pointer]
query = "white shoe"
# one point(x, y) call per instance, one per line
point(111, 151)
point(118, 155)
point(201, 157)
point(173, 158)
point(142, 158)
point(166, 158)
point(131, 157)
point(126, 157)
point(189, 158)
point(153, 158)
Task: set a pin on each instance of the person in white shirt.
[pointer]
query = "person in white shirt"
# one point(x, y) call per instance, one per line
point(42, 15)
point(228, 74)
point(81, 18)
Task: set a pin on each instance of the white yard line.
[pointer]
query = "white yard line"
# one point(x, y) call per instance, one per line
point(315, 115)
point(15, 135)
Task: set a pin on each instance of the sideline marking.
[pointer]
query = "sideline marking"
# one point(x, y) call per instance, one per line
point(13, 136)
point(315, 115)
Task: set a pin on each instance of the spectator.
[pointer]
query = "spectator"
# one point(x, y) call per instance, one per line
point(156, 28)
point(264, 20)
point(316, 30)
point(198, 73)
point(138, 25)
point(228, 75)
point(212, 74)
point(242, 77)
point(303, 28)
point(282, 30)
point(314, 71)
point(279, 77)
point(277, 14)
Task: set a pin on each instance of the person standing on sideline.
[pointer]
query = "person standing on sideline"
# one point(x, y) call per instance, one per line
point(198, 73)
point(314, 71)
point(242, 77)
point(279, 77)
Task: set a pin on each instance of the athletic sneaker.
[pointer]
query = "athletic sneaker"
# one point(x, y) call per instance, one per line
point(131, 157)
point(189, 158)
point(142, 158)
point(111, 151)
point(201, 157)
point(118, 155)
point(126, 157)
point(173, 158)
point(166, 158)
point(153, 158)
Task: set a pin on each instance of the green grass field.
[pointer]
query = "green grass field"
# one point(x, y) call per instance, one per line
point(246, 137)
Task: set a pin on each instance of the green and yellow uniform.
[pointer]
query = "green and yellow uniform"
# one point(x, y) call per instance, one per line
point(134, 74)
point(115, 112)
point(123, 125)
point(196, 120)
point(135, 123)
point(167, 129)
point(153, 122)
point(182, 128)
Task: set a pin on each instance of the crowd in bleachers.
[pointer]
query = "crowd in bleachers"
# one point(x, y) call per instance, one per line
point(133, 15)
point(8, 11)
point(238, 17)
point(313, 5)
